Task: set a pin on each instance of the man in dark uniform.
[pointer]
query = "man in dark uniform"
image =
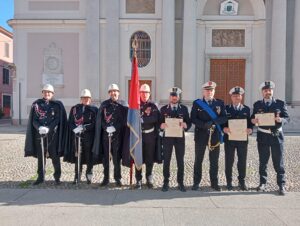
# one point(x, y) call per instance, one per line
point(150, 125)
point(270, 138)
point(81, 125)
point(47, 121)
point(174, 110)
point(236, 110)
point(111, 120)
point(208, 114)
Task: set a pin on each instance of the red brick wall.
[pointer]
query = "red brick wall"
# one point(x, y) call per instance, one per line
point(4, 88)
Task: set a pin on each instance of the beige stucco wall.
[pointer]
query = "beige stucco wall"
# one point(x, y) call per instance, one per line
point(5, 39)
point(36, 43)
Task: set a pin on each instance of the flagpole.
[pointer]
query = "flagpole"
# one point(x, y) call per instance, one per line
point(134, 47)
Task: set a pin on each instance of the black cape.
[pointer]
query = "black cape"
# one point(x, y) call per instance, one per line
point(98, 151)
point(69, 154)
point(158, 155)
point(32, 134)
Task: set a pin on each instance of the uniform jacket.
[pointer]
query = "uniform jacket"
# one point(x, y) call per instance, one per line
point(277, 107)
point(50, 114)
point(182, 112)
point(202, 120)
point(150, 121)
point(87, 119)
point(242, 113)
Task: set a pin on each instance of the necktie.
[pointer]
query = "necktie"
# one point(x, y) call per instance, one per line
point(209, 102)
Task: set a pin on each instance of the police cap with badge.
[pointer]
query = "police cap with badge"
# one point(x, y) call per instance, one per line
point(267, 85)
point(209, 85)
point(175, 91)
point(237, 90)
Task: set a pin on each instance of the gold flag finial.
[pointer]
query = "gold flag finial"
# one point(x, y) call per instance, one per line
point(134, 45)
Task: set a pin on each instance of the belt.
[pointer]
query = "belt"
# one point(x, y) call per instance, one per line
point(268, 130)
point(148, 130)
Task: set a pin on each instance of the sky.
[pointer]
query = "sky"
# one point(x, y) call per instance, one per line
point(6, 13)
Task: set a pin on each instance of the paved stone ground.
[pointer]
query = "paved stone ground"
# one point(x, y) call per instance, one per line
point(19, 172)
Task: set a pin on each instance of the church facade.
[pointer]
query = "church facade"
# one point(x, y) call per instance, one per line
point(77, 44)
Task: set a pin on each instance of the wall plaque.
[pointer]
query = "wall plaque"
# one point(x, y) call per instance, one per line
point(53, 65)
point(228, 38)
point(140, 6)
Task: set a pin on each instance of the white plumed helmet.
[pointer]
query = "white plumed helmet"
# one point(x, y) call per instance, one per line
point(145, 88)
point(86, 93)
point(113, 87)
point(48, 87)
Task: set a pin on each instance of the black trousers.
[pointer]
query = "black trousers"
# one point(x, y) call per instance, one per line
point(264, 151)
point(179, 145)
point(86, 156)
point(138, 173)
point(213, 160)
point(241, 149)
point(115, 153)
point(50, 148)
point(149, 144)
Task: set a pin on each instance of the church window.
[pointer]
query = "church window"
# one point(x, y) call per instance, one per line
point(143, 49)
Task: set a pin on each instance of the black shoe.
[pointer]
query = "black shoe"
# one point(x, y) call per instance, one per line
point(138, 185)
point(195, 187)
point(216, 187)
point(282, 190)
point(229, 187)
point(261, 188)
point(165, 187)
point(57, 181)
point(243, 187)
point(118, 183)
point(181, 188)
point(38, 181)
point(88, 178)
point(149, 185)
point(104, 183)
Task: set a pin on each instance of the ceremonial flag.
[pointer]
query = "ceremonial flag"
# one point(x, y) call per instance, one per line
point(134, 117)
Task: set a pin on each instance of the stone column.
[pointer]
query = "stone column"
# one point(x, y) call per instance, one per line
point(168, 49)
point(189, 51)
point(112, 45)
point(296, 57)
point(91, 77)
point(278, 47)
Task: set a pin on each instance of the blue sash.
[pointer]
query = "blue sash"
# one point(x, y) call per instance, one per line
point(213, 115)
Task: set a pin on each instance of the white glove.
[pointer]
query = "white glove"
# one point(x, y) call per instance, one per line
point(110, 129)
point(43, 130)
point(78, 129)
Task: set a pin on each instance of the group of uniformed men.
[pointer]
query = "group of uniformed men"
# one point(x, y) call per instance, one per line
point(91, 136)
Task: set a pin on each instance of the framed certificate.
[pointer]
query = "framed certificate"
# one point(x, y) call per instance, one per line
point(238, 129)
point(265, 119)
point(173, 128)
